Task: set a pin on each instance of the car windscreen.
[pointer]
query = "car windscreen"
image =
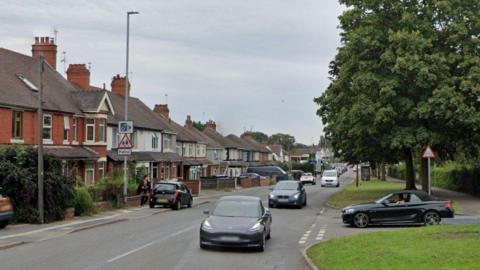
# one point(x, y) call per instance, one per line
point(165, 187)
point(330, 174)
point(233, 208)
point(384, 198)
point(284, 185)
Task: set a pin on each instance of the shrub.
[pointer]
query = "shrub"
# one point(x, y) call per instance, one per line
point(18, 177)
point(397, 171)
point(83, 202)
point(458, 177)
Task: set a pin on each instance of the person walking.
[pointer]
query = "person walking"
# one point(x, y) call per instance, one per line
point(144, 190)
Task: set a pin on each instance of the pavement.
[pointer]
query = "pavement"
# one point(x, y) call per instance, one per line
point(144, 238)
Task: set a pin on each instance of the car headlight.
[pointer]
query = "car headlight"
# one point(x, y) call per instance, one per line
point(256, 227)
point(349, 210)
point(271, 196)
point(206, 225)
point(296, 196)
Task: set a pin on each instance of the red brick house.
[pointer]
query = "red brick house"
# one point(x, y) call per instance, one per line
point(74, 122)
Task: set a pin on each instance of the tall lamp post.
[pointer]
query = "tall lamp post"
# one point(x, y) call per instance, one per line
point(125, 159)
point(40, 146)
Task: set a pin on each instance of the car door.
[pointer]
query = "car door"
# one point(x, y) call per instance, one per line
point(266, 217)
point(387, 212)
point(413, 208)
point(183, 194)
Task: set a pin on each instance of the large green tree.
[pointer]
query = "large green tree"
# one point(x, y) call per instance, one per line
point(286, 140)
point(406, 75)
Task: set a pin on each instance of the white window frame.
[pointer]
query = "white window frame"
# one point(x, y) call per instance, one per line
point(49, 127)
point(101, 169)
point(87, 125)
point(75, 129)
point(87, 169)
point(66, 129)
point(102, 128)
point(14, 126)
point(167, 141)
point(154, 141)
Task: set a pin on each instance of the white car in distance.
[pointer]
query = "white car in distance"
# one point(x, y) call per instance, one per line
point(308, 178)
point(329, 178)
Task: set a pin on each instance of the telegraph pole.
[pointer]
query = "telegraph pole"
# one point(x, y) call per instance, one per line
point(40, 145)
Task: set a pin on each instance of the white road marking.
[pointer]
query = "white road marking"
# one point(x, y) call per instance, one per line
point(151, 243)
point(322, 211)
point(79, 222)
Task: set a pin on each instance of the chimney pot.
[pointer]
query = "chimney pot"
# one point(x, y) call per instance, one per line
point(79, 75)
point(118, 85)
point(188, 122)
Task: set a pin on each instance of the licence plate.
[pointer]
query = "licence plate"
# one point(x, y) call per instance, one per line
point(160, 200)
point(229, 238)
point(283, 200)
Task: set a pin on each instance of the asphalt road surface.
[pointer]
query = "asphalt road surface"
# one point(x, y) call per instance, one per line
point(169, 240)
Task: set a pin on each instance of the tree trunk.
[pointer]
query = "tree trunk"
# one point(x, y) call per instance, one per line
point(410, 181)
point(382, 172)
point(424, 174)
point(356, 178)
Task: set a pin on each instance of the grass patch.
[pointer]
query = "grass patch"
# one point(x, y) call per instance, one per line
point(366, 192)
point(424, 248)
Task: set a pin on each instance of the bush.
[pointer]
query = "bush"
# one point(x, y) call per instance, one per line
point(398, 171)
point(18, 177)
point(457, 177)
point(83, 202)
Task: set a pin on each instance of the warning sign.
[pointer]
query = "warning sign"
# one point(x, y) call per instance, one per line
point(428, 153)
point(125, 142)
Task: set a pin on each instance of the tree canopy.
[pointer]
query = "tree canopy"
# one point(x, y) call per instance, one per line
point(406, 75)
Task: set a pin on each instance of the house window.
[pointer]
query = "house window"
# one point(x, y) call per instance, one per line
point(101, 130)
point(199, 151)
point(90, 126)
point(75, 124)
point(179, 149)
point(101, 169)
point(154, 142)
point(115, 137)
point(166, 141)
point(47, 127)
point(215, 155)
point(17, 124)
point(66, 128)
point(190, 150)
point(89, 174)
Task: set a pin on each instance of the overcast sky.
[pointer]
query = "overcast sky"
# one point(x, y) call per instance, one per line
point(245, 64)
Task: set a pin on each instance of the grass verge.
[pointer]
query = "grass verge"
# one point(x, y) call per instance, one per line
point(424, 248)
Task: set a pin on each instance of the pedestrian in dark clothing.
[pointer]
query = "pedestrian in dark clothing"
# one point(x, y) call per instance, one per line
point(144, 190)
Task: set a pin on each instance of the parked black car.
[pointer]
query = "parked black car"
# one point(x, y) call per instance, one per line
point(251, 176)
point(236, 221)
point(269, 171)
point(171, 194)
point(288, 193)
point(6, 210)
point(403, 207)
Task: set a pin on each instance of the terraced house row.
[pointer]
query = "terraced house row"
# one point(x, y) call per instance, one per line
point(80, 124)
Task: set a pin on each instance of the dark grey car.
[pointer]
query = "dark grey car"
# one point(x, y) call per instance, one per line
point(288, 193)
point(236, 221)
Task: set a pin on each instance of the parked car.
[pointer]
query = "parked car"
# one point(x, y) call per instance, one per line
point(288, 193)
point(252, 176)
point(6, 209)
point(217, 176)
point(236, 221)
point(269, 171)
point(296, 174)
point(308, 178)
point(171, 194)
point(403, 207)
point(329, 178)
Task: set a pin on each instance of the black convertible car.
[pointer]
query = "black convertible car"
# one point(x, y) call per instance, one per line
point(403, 207)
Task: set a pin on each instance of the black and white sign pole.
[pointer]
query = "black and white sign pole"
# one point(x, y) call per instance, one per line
point(125, 160)
point(429, 154)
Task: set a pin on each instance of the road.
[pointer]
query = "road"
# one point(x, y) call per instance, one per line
point(165, 239)
point(169, 240)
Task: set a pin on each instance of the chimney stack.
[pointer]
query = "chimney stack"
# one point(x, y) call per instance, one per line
point(162, 110)
point(118, 85)
point(211, 125)
point(188, 122)
point(79, 75)
point(45, 46)
point(247, 135)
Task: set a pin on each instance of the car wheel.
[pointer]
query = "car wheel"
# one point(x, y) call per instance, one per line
point(268, 235)
point(360, 220)
point(338, 184)
point(152, 205)
point(177, 205)
point(314, 183)
point(305, 202)
point(322, 185)
point(190, 203)
point(3, 224)
point(431, 218)
point(203, 246)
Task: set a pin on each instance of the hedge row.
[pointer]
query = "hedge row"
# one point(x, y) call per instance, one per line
point(452, 176)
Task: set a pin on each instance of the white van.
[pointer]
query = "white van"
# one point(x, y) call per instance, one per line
point(329, 178)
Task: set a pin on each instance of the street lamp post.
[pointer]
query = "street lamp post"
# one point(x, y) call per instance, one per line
point(125, 160)
point(40, 146)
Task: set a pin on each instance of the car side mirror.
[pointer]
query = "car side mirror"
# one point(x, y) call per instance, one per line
point(206, 212)
point(267, 212)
